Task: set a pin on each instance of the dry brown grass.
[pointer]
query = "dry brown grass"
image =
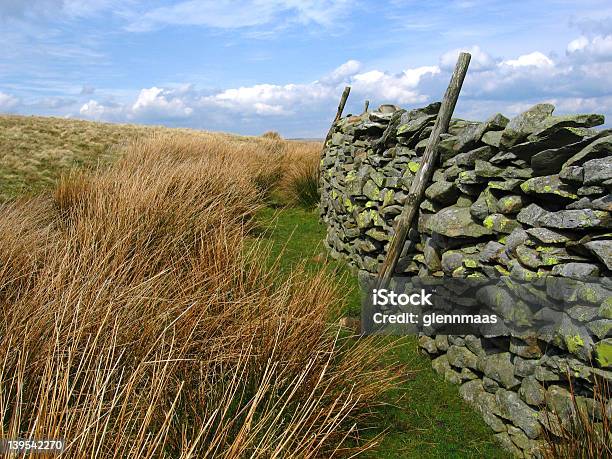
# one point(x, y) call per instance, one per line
point(300, 181)
point(35, 151)
point(135, 323)
point(582, 430)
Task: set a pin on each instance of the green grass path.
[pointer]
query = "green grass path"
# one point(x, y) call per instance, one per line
point(431, 420)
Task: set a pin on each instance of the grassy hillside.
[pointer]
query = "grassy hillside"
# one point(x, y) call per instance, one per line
point(170, 304)
point(35, 151)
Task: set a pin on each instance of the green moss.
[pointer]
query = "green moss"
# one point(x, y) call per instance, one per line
point(348, 204)
point(469, 263)
point(388, 197)
point(503, 271)
point(413, 166)
point(603, 352)
point(488, 222)
point(550, 261)
point(574, 343)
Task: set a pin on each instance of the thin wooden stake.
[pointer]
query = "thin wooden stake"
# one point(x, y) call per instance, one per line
point(425, 172)
point(367, 105)
point(341, 105)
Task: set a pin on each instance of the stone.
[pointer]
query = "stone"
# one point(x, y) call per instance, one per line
point(491, 251)
point(499, 368)
point(576, 270)
point(597, 149)
point(472, 134)
point(469, 158)
point(604, 203)
point(492, 138)
point(572, 174)
point(605, 309)
point(510, 204)
point(574, 219)
point(486, 169)
point(597, 170)
point(371, 191)
point(526, 346)
point(411, 126)
point(552, 123)
point(530, 215)
point(575, 337)
point(517, 237)
point(524, 124)
point(364, 245)
point(600, 328)
point(559, 401)
point(582, 313)
point(514, 409)
point(451, 261)
point(440, 364)
point(442, 192)
point(559, 138)
point(378, 235)
point(461, 357)
point(505, 185)
point(547, 236)
point(524, 367)
point(500, 223)
point(592, 293)
point(427, 343)
point(551, 161)
point(441, 342)
point(456, 222)
point(519, 438)
point(503, 438)
point(528, 257)
point(548, 185)
point(590, 191)
point(602, 250)
point(582, 203)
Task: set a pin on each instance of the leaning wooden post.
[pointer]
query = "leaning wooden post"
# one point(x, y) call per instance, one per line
point(423, 175)
point(367, 105)
point(341, 105)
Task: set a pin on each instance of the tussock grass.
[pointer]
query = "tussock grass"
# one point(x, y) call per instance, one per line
point(135, 323)
point(583, 431)
point(300, 182)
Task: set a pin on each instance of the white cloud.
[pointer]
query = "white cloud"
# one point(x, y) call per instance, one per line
point(8, 102)
point(156, 102)
point(535, 59)
point(480, 60)
point(598, 47)
point(103, 112)
point(399, 88)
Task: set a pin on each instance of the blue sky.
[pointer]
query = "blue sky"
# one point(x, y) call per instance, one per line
point(256, 65)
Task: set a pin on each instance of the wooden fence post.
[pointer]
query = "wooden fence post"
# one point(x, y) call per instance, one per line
point(367, 105)
point(425, 172)
point(341, 105)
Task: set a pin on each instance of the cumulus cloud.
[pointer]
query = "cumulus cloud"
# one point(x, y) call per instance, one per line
point(598, 48)
point(535, 59)
point(480, 60)
point(156, 102)
point(8, 102)
point(266, 100)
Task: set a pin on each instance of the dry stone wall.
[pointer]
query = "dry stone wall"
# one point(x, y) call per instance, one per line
point(528, 198)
